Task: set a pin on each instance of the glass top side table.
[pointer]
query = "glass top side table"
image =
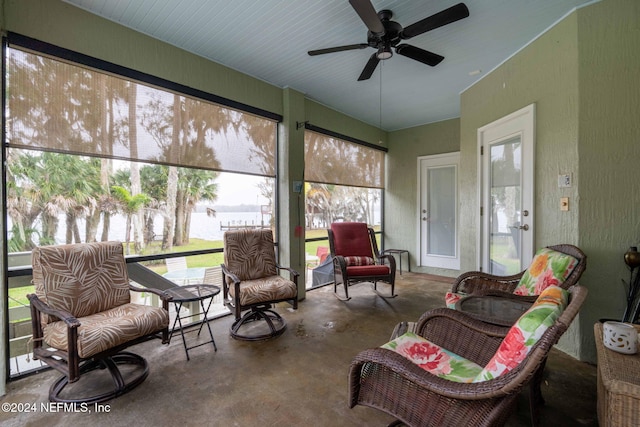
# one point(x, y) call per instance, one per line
point(492, 309)
point(193, 293)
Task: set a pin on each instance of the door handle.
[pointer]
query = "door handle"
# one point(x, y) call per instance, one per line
point(521, 227)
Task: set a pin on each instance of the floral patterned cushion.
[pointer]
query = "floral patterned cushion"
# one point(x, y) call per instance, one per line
point(516, 345)
point(526, 332)
point(358, 260)
point(451, 298)
point(548, 268)
point(434, 358)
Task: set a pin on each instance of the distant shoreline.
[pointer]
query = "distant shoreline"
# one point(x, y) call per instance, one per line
point(229, 208)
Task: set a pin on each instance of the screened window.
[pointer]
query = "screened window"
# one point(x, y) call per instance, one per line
point(344, 181)
point(330, 160)
point(95, 156)
point(90, 150)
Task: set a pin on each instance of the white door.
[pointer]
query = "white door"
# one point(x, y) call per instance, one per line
point(506, 168)
point(438, 216)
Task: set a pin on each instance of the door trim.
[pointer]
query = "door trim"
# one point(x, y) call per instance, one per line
point(527, 115)
point(450, 263)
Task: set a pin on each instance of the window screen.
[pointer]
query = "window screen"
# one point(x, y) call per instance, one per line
point(332, 160)
point(58, 106)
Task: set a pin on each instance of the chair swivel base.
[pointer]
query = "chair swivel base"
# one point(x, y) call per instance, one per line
point(119, 387)
point(269, 325)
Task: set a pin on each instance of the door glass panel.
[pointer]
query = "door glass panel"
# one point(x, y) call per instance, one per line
point(441, 209)
point(505, 220)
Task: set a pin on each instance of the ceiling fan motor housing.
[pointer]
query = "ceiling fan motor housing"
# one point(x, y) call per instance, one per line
point(391, 35)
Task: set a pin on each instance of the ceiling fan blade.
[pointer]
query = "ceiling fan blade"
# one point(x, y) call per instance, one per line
point(447, 16)
point(369, 68)
point(418, 54)
point(337, 49)
point(368, 14)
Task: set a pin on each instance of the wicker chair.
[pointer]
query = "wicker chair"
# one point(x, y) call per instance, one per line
point(479, 283)
point(82, 312)
point(383, 379)
point(356, 258)
point(251, 284)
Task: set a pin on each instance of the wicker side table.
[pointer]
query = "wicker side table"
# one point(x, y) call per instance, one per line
point(618, 385)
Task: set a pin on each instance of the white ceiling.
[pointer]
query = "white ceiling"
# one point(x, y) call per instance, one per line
point(269, 40)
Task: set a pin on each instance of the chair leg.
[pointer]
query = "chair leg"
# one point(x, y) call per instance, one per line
point(375, 289)
point(120, 385)
point(339, 279)
point(535, 393)
point(346, 292)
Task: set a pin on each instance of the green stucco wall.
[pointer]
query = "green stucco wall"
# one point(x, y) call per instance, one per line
point(545, 73)
point(72, 28)
point(609, 153)
point(401, 197)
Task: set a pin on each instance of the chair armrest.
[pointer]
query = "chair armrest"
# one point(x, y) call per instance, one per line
point(392, 361)
point(157, 292)
point(339, 269)
point(390, 258)
point(226, 272)
point(163, 296)
point(456, 330)
point(43, 307)
point(474, 282)
point(340, 260)
point(293, 274)
point(225, 285)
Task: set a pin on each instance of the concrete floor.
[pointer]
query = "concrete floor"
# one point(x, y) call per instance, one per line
point(297, 379)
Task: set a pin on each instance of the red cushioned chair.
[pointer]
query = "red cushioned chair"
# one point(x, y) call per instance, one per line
point(356, 258)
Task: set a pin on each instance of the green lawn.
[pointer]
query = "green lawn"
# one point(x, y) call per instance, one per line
point(18, 296)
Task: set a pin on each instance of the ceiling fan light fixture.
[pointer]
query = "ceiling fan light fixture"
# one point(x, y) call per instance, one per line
point(384, 52)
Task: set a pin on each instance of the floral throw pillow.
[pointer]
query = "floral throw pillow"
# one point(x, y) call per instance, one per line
point(433, 358)
point(548, 268)
point(451, 298)
point(526, 332)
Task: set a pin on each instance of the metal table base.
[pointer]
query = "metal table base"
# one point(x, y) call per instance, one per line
point(192, 293)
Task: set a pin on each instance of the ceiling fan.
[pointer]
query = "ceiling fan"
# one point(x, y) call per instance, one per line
point(385, 34)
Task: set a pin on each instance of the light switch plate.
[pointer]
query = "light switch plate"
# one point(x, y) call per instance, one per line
point(564, 180)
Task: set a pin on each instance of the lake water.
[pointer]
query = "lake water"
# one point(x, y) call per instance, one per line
point(202, 226)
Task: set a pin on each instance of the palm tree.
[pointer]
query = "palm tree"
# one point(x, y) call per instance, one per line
point(44, 186)
point(130, 205)
point(194, 185)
